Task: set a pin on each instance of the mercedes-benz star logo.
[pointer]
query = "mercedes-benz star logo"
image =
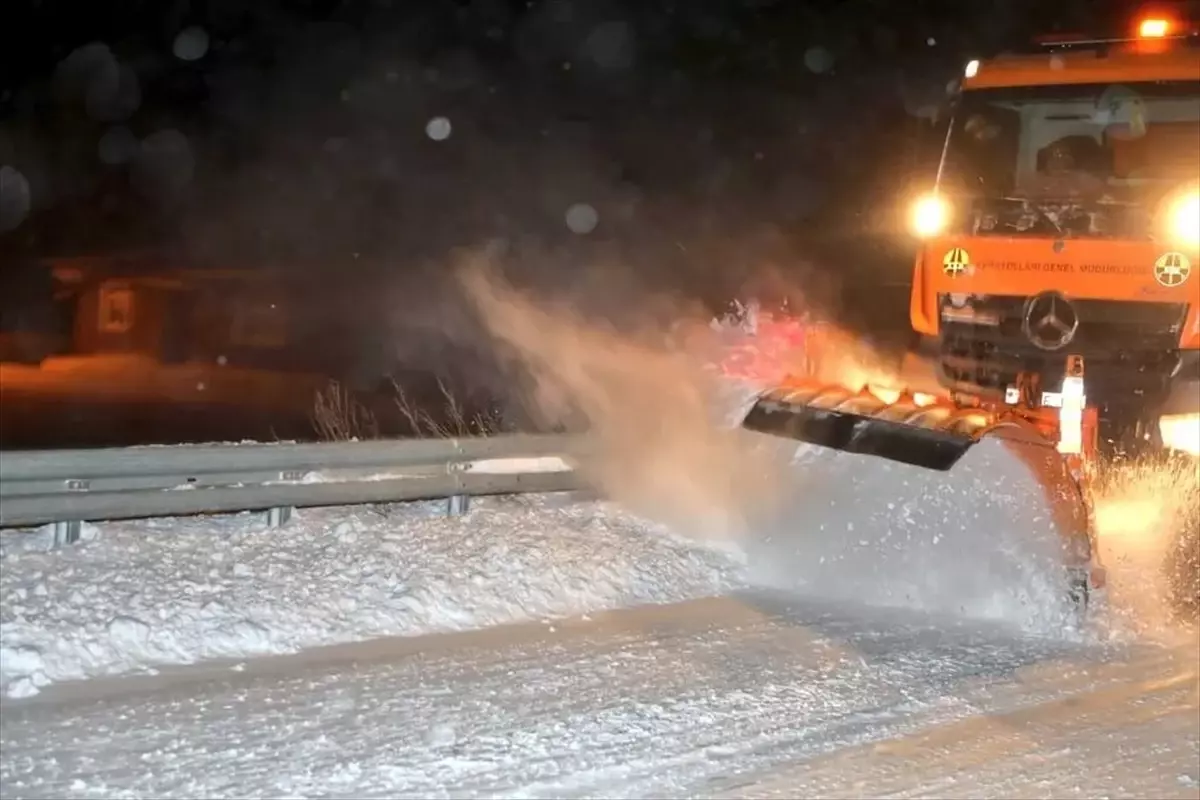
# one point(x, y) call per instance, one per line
point(1050, 321)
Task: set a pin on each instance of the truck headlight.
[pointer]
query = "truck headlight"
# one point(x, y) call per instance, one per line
point(1181, 432)
point(1185, 219)
point(930, 214)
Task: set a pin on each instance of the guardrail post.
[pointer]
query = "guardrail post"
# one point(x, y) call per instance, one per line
point(66, 533)
point(279, 516)
point(458, 504)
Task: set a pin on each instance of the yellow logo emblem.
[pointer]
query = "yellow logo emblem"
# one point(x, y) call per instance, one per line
point(1172, 269)
point(956, 262)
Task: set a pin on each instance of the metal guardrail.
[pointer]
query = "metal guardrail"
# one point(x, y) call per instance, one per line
point(69, 487)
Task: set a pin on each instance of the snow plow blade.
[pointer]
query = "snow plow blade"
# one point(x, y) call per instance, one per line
point(927, 435)
point(906, 499)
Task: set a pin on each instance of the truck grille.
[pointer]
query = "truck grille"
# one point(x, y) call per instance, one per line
point(1058, 219)
point(1133, 343)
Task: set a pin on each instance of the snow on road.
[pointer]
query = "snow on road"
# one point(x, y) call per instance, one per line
point(544, 647)
point(138, 595)
point(717, 697)
point(1126, 727)
point(664, 701)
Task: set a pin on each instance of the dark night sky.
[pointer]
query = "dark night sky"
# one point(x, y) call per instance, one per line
point(615, 151)
point(278, 72)
point(689, 142)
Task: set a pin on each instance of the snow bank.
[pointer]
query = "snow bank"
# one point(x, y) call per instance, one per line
point(136, 595)
point(176, 591)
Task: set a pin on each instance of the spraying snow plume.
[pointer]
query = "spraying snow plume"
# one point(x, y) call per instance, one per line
point(649, 404)
point(658, 405)
point(1148, 529)
point(663, 403)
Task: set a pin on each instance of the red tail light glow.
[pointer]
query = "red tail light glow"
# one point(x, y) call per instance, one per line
point(1154, 28)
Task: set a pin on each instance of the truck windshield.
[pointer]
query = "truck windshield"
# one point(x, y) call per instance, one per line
point(1122, 144)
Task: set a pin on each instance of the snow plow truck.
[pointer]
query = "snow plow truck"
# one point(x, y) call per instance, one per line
point(1054, 294)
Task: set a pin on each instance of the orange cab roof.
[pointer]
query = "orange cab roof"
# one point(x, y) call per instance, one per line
point(1118, 66)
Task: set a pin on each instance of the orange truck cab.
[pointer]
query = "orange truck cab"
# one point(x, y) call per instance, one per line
point(1065, 220)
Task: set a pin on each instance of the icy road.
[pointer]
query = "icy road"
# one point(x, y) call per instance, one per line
point(749, 695)
point(541, 647)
